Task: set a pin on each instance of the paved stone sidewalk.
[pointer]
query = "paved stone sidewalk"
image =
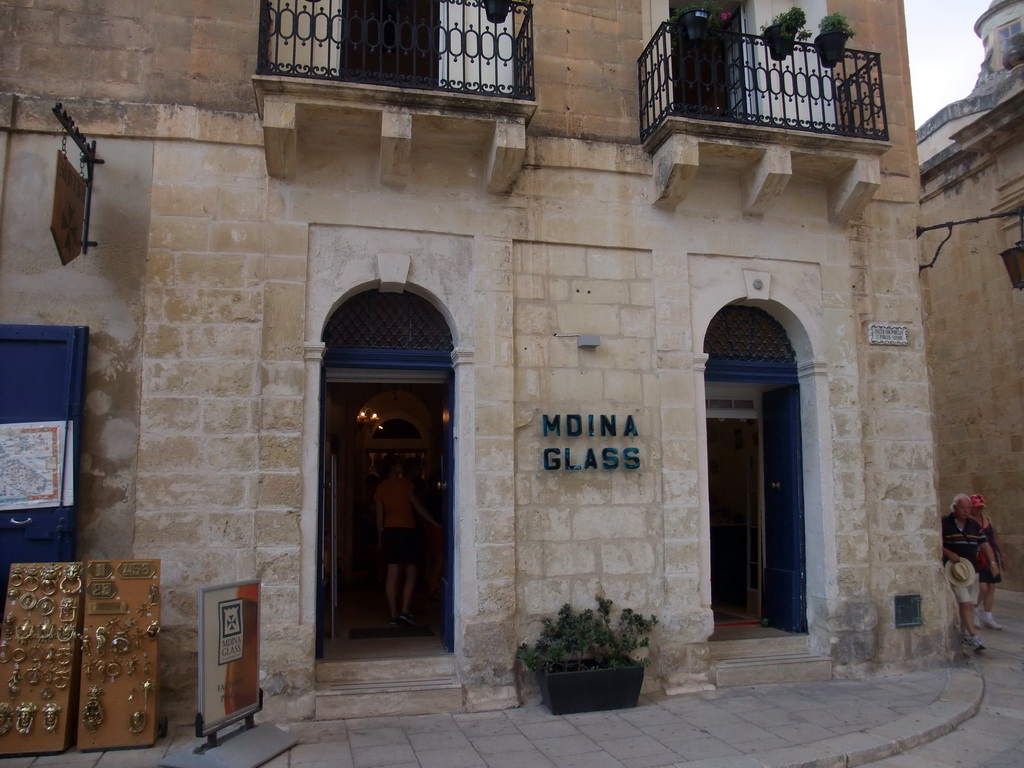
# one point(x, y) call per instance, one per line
point(782, 723)
point(994, 738)
point(920, 720)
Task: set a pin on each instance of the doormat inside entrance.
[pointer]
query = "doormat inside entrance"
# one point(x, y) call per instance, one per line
point(723, 618)
point(371, 633)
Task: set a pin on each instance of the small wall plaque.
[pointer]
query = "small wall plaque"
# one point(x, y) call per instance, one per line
point(908, 610)
point(888, 333)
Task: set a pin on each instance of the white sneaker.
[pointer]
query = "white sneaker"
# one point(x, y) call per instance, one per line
point(990, 623)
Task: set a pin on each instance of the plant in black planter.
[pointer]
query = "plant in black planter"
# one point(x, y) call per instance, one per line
point(700, 21)
point(584, 662)
point(497, 10)
point(834, 30)
point(783, 31)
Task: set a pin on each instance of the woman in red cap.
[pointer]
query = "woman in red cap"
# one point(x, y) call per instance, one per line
point(987, 581)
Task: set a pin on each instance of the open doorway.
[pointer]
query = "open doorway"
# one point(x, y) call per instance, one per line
point(755, 475)
point(756, 509)
point(367, 426)
point(387, 395)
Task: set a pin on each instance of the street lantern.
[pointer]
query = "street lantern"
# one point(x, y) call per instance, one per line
point(1013, 260)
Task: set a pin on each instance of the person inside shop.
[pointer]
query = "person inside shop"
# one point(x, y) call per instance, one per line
point(962, 538)
point(987, 580)
point(401, 545)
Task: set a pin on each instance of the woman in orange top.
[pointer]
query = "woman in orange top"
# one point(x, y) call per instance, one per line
point(397, 505)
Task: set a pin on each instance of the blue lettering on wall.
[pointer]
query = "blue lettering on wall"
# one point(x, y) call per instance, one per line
point(610, 458)
point(605, 425)
point(568, 460)
point(551, 460)
point(631, 458)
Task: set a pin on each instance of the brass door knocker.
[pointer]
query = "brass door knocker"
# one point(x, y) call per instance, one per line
point(24, 631)
point(101, 640)
point(51, 713)
point(137, 722)
point(92, 713)
point(6, 717)
point(26, 714)
point(68, 609)
point(46, 606)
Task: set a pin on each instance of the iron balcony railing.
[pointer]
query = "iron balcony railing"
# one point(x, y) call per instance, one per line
point(732, 78)
point(438, 45)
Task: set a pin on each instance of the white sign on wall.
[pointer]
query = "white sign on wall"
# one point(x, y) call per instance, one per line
point(888, 333)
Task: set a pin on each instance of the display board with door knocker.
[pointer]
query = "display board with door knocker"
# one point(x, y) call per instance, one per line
point(39, 661)
point(118, 704)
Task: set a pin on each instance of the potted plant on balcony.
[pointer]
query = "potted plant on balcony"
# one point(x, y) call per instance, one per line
point(700, 21)
point(783, 32)
point(497, 10)
point(584, 662)
point(834, 30)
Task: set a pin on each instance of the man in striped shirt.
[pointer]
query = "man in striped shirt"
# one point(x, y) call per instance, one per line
point(961, 539)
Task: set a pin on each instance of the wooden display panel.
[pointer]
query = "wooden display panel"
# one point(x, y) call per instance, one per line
point(39, 658)
point(118, 696)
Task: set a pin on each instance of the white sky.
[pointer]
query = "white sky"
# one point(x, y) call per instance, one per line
point(945, 54)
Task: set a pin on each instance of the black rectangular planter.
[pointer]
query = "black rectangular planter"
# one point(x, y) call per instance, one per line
point(591, 690)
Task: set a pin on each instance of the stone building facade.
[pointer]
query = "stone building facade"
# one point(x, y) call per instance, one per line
point(586, 427)
point(973, 166)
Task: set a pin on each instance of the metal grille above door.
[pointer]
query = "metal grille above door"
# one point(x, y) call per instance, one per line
point(749, 334)
point(375, 320)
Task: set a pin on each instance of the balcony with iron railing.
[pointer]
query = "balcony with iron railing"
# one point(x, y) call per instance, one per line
point(470, 59)
point(729, 92)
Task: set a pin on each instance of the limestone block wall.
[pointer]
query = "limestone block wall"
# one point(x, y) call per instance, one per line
point(587, 455)
point(102, 289)
point(975, 347)
point(219, 482)
point(182, 52)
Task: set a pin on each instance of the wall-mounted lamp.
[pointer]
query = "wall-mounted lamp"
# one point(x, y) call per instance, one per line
point(1013, 257)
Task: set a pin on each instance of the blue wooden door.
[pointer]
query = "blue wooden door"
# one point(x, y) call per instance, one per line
point(448, 475)
point(42, 379)
point(783, 597)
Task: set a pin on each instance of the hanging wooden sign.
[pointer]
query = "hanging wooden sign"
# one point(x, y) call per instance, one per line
point(72, 192)
point(68, 218)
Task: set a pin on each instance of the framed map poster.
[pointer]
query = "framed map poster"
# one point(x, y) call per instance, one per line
point(34, 470)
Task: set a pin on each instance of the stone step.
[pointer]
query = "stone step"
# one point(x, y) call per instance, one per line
point(413, 697)
point(756, 648)
point(381, 687)
point(360, 671)
point(772, 668)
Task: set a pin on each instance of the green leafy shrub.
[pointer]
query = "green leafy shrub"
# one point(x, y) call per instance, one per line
point(588, 640)
point(835, 22)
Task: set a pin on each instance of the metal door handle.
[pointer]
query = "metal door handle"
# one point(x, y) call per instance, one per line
point(775, 486)
point(21, 522)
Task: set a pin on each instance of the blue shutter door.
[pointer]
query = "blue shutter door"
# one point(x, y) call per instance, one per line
point(42, 378)
point(783, 601)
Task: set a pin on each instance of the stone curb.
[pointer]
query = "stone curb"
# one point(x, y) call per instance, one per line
point(958, 702)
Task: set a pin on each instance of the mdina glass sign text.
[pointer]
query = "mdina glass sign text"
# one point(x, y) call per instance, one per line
point(574, 425)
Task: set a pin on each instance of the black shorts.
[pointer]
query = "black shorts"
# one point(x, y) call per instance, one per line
point(985, 576)
point(401, 545)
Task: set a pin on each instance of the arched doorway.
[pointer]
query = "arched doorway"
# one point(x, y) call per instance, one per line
point(755, 471)
point(387, 395)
